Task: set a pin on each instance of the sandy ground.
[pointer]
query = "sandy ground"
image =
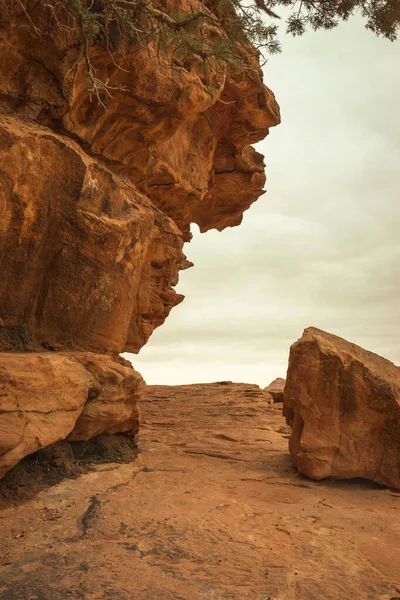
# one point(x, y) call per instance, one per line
point(211, 509)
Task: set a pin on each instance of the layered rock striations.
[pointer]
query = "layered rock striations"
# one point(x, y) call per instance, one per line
point(343, 405)
point(98, 190)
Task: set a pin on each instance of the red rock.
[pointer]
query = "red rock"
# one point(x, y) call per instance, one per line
point(97, 199)
point(46, 397)
point(343, 405)
point(168, 131)
point(209, 510)
point(112, 404)
point(88, 262)
point(276, 388)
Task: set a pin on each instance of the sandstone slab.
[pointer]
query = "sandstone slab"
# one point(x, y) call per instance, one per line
point(343, 405)
point(212, 509)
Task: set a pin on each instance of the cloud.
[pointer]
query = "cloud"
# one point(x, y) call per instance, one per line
point(322, 247)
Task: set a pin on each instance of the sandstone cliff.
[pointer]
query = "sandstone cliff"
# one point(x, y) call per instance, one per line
point(97, 199)
point(98, 190)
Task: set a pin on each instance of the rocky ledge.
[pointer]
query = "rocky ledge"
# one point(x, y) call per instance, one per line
point(98, 196)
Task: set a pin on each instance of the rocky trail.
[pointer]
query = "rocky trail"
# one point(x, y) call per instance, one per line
point(211, 509)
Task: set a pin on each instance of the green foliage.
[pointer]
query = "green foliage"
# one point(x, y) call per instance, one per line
point(212, 31)
point(238, 22)
point(250, 26)
point(380, 16)
point(221, 30)
point(90, 23)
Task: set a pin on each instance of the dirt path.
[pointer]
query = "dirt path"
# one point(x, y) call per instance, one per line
point(211, 509)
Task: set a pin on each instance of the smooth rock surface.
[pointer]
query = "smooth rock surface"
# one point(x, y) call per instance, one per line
point(343, 405)
point(44, 397)
point(211, 510)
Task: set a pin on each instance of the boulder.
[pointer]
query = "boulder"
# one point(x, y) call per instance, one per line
point(47, 396)
point(275, 388)
point(343, 405)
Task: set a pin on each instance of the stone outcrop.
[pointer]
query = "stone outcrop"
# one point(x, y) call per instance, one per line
point(97, 193)
point(97, 198)
point(275, 388)
point(343, 405)
point(47, 397)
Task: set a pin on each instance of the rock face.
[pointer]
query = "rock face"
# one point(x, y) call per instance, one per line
point(343, 405)
point(276, 388)
point(97, 194)
point(48, 396)
point(97, 199)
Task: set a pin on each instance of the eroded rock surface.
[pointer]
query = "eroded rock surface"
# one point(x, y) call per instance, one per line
point(48, 396)
point(343, 405)
point(87, 261)
point(98, 193)
point(98, 190)
point(212, 509)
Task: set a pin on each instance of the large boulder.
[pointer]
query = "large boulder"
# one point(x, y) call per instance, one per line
point(275, 388)
point(47, 396)
point(343, 405)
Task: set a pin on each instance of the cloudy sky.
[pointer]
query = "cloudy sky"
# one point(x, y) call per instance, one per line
point(322, 246)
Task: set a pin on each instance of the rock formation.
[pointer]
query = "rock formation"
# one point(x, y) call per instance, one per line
point(276, 388)
point(98, 191)
point(211, 509)
point(88, 261)
point(343, 405)
point(48, 396)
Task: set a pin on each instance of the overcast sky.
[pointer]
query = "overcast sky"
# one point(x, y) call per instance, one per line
point(322, 246)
